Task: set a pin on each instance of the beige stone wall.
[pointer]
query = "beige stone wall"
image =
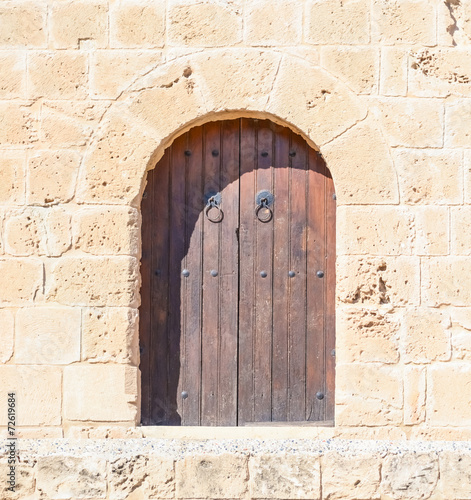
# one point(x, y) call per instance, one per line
point(91, 93)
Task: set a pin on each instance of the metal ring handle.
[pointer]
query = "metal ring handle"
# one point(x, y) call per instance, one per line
point(269, 215)
point(213, 204)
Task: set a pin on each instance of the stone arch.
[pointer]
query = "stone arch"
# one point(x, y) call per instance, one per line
point(225, 83)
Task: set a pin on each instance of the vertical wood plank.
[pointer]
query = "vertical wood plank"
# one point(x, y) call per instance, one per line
point(280, 275)
point(246, 271)
point(190, 345)
point(315, 289)
point(228, 272)
point(298, 284)
point(211, 284)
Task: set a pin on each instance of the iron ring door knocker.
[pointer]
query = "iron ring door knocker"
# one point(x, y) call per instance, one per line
point(214, 202)
point(264, 200)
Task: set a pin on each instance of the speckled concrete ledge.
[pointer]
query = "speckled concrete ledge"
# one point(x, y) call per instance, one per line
point(117, 469)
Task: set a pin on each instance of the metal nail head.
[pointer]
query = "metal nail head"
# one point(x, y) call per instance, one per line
point(320, 274)
point(320, 395)
point(263, 274)
point(214, 273)
point(184, 394)
point(186, 273)
point(291, 274)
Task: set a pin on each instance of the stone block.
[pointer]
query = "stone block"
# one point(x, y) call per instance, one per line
point(403, 22)
point(69, 123)
point(107, 231)
point(460, 318)
point(411, 122)
point(366, 335)
point(367, 175)
point(13, 76)
point(266, 26)
point(37, 231)
point(455, 474)
point(432, 229)
point(375, 230)
point(368, 394)
point(23, 24)
point(52, 176)
point(448, 395)
point(429, 176)
point(445, 281)
point(337, 22)
point(141, 477)
point(284, 476)
point(376, 281)
point(393, 80)
point(22, 280)
point(113, 71)
point(415, 385)
point(12, 177)
point(357, 67)
point(93, 281)
point(47, 336)
point(204, 24)
point(101, 393)
point(426, 336)
point(461, 230)
point(18, 124)
point(110, 335)
point(410, 476)
point(7, 333)
point(72, 22)
point(137, 24)
point(58, 75)
point(24, 480)
point(39, 394)
point(457, 113)
point(328, 107)
point(62, 476)
point(345, 478)
point(212, 476)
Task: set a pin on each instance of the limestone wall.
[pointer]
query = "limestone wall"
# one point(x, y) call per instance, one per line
point(91, 93)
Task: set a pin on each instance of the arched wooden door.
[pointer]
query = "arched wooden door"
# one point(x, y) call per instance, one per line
point(238, 279)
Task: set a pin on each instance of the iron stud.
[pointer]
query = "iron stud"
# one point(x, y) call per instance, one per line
point(186, 273)
point(320, 395)
point(263, 274)
point(187, 153)
point(215, 152)
point(264, 154)
point(292, 153)
point(320, 274)
point(214, 273)
point(184, 394)
point(291, 274)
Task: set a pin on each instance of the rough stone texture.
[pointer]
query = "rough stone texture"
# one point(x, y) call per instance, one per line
point(137, 24)
point(223, 476)
point(367, 335)
point(461, 230)
point(284, 476)
point(97, 281)
point(375, 230)
point(24, 479)
point(100, 393)
point(335, 22)
point(23, 24)
point(39, 394)
point(409, 476)
point(356, 67)
point(18, 123)
point(393, 80)
point(460, 319)
point(208, 24)
point(430, 176)
point(107, 231)
point(449, 397)
point(432, 228)
point(265, 25)
point(141, 477)
point(457, 113)
point(73, 22)
point(110, 335)
point(455, 475)
point(7, 334)
point(444, 281)
point(22, 280)
point(426, 336)
point(38, 231)
point(72, 477)
point(47, 336)
point(58, 75)
point(345, 479)
point(415, 385)
point(368, 394)
point(403, 21)
point(377, 281)
point(12, 177)
point(13, 77)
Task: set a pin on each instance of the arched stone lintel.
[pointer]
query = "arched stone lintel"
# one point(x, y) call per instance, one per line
point(234, 83)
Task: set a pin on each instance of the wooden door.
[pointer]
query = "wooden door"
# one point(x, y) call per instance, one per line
point(237, 320)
